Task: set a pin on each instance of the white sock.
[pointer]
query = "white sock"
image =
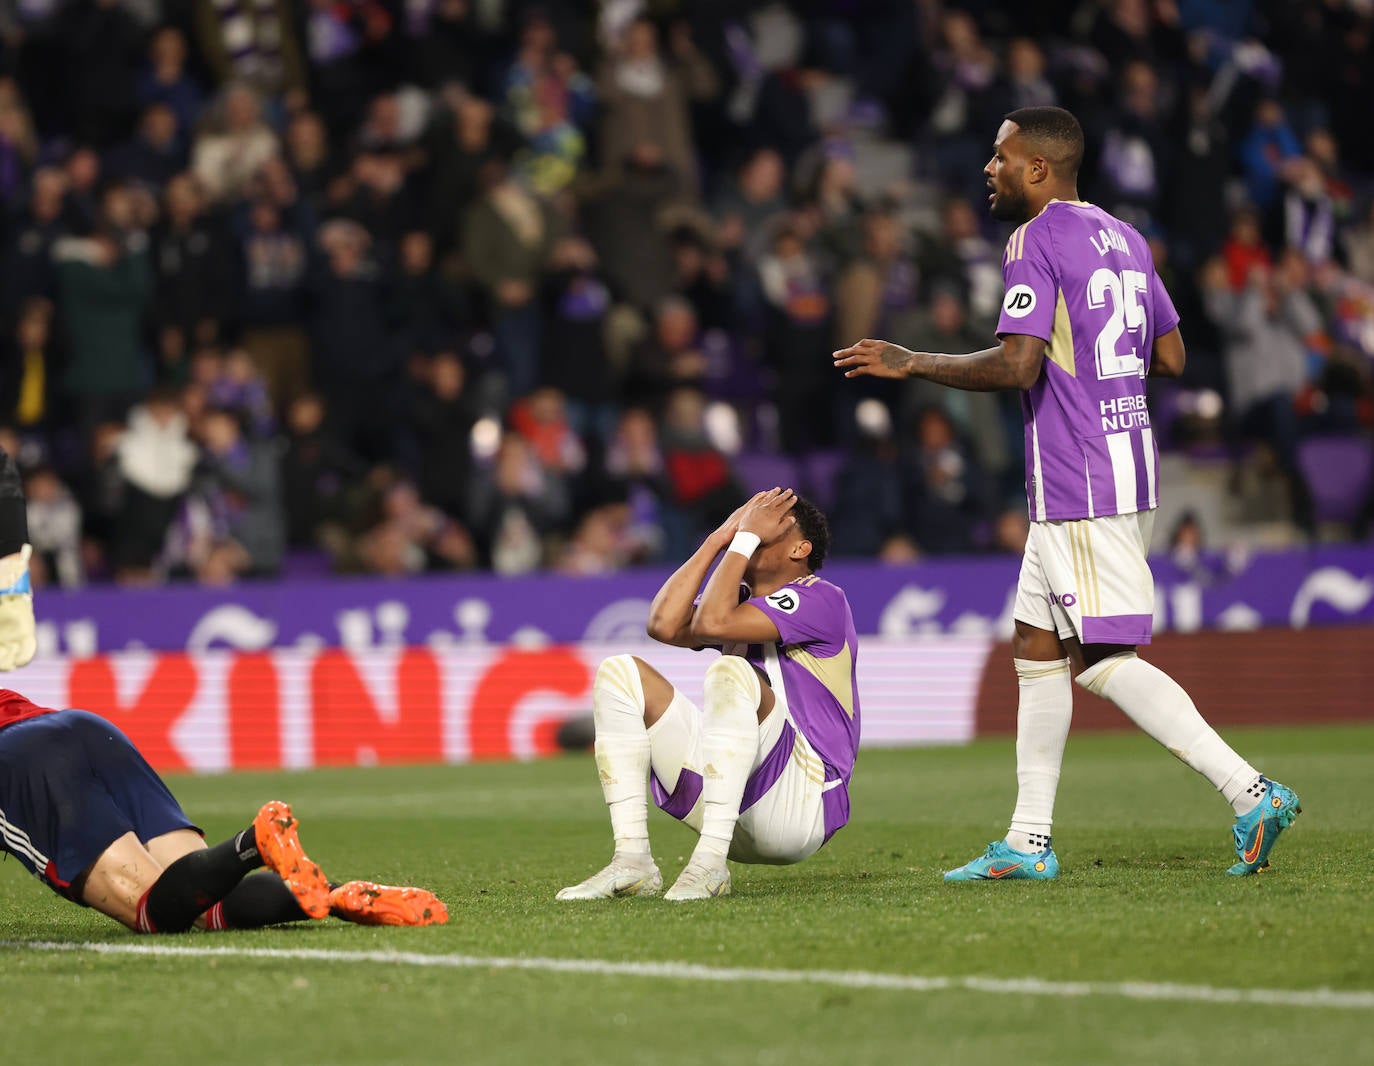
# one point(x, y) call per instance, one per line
point(1157, 703)
point(622, 752)
point(1043, 713)
point(730, 743)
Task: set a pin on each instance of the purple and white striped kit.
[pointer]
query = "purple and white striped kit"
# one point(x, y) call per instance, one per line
point(1085, 283)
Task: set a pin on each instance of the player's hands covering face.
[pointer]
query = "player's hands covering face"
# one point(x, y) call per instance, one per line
point(768, 515)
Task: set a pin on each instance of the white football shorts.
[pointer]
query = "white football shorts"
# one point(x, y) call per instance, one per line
point(1089, 578)
point(786, 824)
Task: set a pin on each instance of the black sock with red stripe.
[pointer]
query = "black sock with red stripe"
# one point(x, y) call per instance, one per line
point(262, 899)
point(195, 883)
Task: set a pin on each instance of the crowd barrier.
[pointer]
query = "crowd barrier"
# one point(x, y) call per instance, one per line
point(457, 669)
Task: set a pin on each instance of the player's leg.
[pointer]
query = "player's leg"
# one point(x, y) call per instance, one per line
point(1044, 711)
point(629, 700)
point(195, 877)
point(258, 900)
point(1119, 584)
point(783, 813)
point(262, 899)
point(734, 703)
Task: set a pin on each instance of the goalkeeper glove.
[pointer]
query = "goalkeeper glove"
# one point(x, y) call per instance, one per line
point(18, 639)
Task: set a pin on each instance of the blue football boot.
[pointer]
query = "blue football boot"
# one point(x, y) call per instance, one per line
point(1256, 831)
point(1002, 862)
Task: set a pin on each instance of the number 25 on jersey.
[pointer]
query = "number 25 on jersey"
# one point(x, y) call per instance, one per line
point(1125, 324)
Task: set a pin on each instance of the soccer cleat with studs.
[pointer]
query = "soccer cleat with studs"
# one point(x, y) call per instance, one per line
point(1002, 862)
point(1256, 831)
point(279, 845)
point(368, 903)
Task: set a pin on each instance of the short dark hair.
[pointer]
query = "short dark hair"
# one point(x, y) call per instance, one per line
point(814, 527)
point(1054, 133)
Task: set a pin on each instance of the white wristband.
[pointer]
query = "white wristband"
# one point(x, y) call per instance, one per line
point(745, 544)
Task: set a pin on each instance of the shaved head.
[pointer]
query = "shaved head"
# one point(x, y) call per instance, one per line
point(1054, 134)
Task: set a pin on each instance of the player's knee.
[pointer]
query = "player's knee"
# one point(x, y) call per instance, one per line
point(731, 678)
point(616, 671)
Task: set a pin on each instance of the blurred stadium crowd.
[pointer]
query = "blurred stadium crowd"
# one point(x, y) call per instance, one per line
point(396, 285)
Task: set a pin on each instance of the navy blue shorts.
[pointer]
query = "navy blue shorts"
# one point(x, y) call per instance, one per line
point(71, 784)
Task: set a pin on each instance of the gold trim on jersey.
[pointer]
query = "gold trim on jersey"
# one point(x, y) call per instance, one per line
point(805, 582)
point(807, 760)
point(1016, 245)
point(836, 673)
point(1060, 350)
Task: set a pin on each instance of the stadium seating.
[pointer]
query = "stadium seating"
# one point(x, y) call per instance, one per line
point(1340, 473)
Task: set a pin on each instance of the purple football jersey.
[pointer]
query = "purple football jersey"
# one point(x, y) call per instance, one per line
point(1085, 283)
point(816, 657)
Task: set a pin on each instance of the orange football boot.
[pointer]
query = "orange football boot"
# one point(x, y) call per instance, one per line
point(281, 851)
point(368, 903)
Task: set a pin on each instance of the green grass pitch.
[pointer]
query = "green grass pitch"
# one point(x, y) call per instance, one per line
point(1143, 898)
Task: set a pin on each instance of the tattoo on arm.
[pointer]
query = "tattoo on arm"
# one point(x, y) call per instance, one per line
point(1013, 364)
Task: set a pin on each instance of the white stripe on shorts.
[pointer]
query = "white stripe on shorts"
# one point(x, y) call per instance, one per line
point(1123, 471)
point(18, 842)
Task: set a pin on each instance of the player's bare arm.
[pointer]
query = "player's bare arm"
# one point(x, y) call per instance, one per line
point(1169, 356)
point(670, 614)
point(1013, 364)
point(720, 618)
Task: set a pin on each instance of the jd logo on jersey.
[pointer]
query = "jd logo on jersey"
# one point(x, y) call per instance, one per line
point(1020, 301)
point(785, 600)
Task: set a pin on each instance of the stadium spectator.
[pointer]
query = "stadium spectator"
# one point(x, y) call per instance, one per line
point(193, 278)
point(104, 282)
point(515, 505)
point(577, 301)
point(234, 144)
point(251, 43)
point(979, 416)
point(1266, 328)
point(797, 334)
point(945, 492)
point(153, 155)
point(961, 253)
point(165, 80)
point(29, 374)
point(506, 239)
point(625, 222)
point(645, 99)
point(156, 459)
point(670, 357)
point(273, 263)
point(442, 414)
point(28, 267)
point(356, 365)
point(318, 475)
point(54, 529)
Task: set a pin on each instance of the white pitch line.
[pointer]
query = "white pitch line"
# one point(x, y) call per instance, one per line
point(685, 971)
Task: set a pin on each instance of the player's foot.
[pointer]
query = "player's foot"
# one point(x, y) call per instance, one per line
point(1256, 831)
point(1002, 862)
point(281, 851)
point(368, 903)
point(700, 880)
point(624, 876)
